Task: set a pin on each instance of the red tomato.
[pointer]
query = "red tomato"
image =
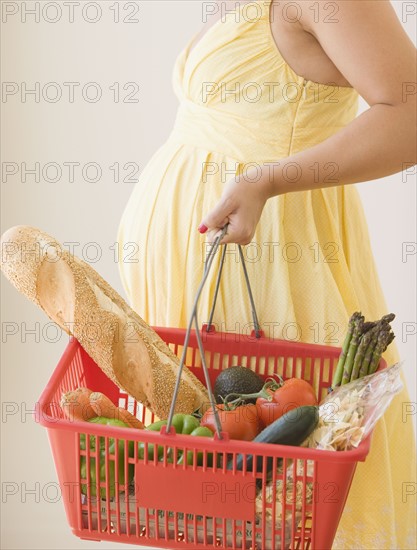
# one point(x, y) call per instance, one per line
point(294, 393)
point(240, 423)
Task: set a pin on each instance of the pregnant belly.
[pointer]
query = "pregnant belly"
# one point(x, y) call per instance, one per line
point(177, 187)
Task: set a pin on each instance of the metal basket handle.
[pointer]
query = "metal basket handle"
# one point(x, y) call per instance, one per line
point(216, 291)
point(194, 318)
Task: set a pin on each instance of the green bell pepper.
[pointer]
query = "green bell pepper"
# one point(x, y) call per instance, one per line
point(111, 481)
point(201, 431)
point(184, 424)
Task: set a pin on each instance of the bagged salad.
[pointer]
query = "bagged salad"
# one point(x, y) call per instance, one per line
point(349, 413)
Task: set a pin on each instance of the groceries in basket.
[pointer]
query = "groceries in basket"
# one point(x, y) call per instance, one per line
point(275, 398)
point(84, 404)
point(290, 429)
point(349, 413)
point(288, 494)
point(184, 424)
point(345, 417)
point(107, 461)
point(239, 422)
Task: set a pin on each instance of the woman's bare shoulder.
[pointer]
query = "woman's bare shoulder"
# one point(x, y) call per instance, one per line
point(367, 43)
point(298, 45)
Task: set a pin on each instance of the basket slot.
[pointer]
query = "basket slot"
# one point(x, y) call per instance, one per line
point(293, 501)
point(72, 378)
point(225, 361)
point(179, 535)
point(289, 367)
point(308, 369)
point(193, 356)
point(215, 364)
point(234, 360)
point(316, 381)
point(189, 360)
point(261, 365)
point(283, 499)
point(165, 526)
point(326, 372)
point(267, 366)
point(299, 362)
point(252, 363)
point(146, 529)
point(173, 346)
point(79, 370)
point(127, 465)
point(274, 365)
point(305, 515)
point(120, 465)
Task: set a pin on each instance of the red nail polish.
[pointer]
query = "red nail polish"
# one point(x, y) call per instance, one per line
point(202, 228)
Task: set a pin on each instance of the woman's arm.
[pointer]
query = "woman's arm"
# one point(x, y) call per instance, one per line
point(371, 49)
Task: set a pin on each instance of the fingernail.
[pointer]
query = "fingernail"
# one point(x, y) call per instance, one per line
point(202, 228)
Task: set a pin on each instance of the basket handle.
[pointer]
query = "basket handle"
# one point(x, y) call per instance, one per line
point(194, 318)
point(216, 292)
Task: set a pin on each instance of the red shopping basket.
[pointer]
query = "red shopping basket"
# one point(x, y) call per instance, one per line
point(171, 505)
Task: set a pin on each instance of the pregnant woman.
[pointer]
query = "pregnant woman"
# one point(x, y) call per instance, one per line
point(267, 139)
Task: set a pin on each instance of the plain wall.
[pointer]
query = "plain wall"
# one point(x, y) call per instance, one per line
point(84, 212)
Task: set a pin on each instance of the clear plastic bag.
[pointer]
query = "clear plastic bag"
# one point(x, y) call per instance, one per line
point(349, 413)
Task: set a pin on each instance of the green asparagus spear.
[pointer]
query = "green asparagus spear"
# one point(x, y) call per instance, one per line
point(391, 337)
point(337, 377)
point(353, 346)
point(373, 337)
point(368, 325)
point(385, 337)
point(387, 318)
point(380, 346)
point(360, 354)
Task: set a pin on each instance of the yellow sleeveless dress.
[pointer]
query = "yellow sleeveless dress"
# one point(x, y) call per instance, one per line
point(310, 262)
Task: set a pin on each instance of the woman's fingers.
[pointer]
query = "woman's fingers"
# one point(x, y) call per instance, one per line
point(236, 232)
point(212, 234)
point(240, 207)
point(218, 217)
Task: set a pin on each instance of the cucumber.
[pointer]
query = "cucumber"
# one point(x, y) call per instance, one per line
point(291, 429)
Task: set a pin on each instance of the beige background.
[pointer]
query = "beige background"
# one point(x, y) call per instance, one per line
point(84, 212)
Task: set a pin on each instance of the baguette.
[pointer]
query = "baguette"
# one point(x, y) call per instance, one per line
point(84, 305)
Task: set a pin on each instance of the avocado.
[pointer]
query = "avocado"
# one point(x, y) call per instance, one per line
point(237, 379)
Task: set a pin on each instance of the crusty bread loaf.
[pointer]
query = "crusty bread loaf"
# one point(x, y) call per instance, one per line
point(83, 304)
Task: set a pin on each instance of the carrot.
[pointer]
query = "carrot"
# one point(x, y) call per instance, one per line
point(103, 406)
point(130, 420)
point(76, 404)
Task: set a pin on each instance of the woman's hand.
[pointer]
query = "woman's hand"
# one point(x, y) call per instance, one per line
point(240, 206)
